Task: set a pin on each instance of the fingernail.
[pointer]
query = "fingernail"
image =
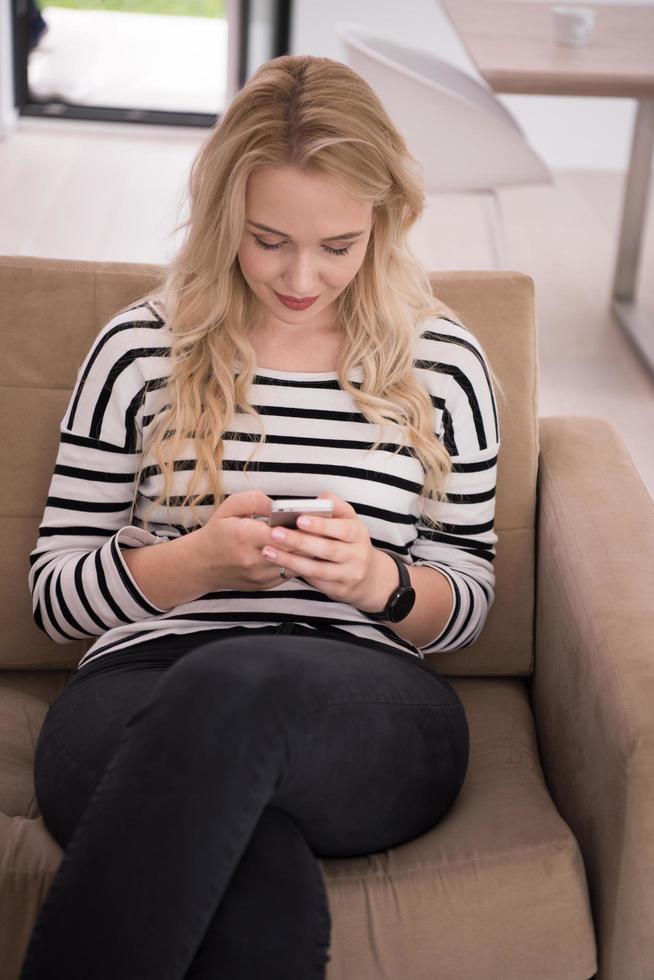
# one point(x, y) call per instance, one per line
point(269, 553)
point(303, 522)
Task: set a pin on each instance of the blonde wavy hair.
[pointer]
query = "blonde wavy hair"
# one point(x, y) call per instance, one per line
point(318, 115)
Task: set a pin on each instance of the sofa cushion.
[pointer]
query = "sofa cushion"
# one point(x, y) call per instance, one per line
point(499, 881)
point(21, 718)
point(496, 890)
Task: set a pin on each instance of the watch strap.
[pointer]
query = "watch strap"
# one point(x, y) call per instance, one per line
point(405, 583)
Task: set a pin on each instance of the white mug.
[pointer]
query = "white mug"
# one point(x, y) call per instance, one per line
point(572, 25)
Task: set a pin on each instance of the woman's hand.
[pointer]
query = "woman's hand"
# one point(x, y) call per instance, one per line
point(333, 554)
point(228, 546)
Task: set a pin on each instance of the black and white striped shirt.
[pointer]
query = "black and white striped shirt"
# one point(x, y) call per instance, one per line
point(317, 441)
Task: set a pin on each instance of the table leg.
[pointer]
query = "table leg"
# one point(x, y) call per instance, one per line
point(636, 321)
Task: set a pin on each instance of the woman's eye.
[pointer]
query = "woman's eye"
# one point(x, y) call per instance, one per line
point(332, 251)
point(264, 245)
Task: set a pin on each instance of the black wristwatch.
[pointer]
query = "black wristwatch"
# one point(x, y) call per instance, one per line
point(401, 600)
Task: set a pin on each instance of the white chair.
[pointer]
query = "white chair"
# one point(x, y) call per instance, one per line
point(457, 129)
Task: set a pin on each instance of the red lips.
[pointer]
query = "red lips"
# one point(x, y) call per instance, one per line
point(294, 303)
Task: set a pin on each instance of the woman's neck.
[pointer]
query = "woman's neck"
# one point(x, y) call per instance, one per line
point(292, 352)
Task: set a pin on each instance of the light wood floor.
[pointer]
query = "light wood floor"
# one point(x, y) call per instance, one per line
point(111, 192)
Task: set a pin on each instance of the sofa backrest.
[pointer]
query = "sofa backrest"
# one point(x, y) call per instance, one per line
point(52, 310)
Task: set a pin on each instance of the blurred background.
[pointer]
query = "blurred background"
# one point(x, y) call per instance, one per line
point(103, 106)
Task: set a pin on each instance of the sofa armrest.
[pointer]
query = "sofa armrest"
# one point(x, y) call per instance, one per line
point(592, 690)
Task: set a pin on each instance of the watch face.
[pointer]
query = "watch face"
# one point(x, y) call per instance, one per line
point(403, 605)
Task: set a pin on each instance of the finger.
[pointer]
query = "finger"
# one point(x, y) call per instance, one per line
point(301, 565)
point(328, 527)
point(307, 544)
point(341, 507)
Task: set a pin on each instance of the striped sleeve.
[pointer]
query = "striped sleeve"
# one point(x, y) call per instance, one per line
point(463, 548)
point(79, 582)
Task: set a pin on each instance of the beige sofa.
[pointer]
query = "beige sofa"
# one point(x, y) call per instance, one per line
point(544, 867)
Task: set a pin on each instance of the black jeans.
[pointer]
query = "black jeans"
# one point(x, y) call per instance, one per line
point(194, 783)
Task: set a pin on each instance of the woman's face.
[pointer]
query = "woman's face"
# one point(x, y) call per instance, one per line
point(310, 253)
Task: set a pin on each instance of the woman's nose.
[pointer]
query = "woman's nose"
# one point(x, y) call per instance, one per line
point(301, 276)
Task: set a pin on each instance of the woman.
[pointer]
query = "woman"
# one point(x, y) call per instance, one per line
point(245, 711)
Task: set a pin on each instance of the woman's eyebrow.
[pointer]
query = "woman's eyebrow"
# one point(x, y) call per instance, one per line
point(333, 238)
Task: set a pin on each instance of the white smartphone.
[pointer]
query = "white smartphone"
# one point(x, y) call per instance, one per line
point(287, 511)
